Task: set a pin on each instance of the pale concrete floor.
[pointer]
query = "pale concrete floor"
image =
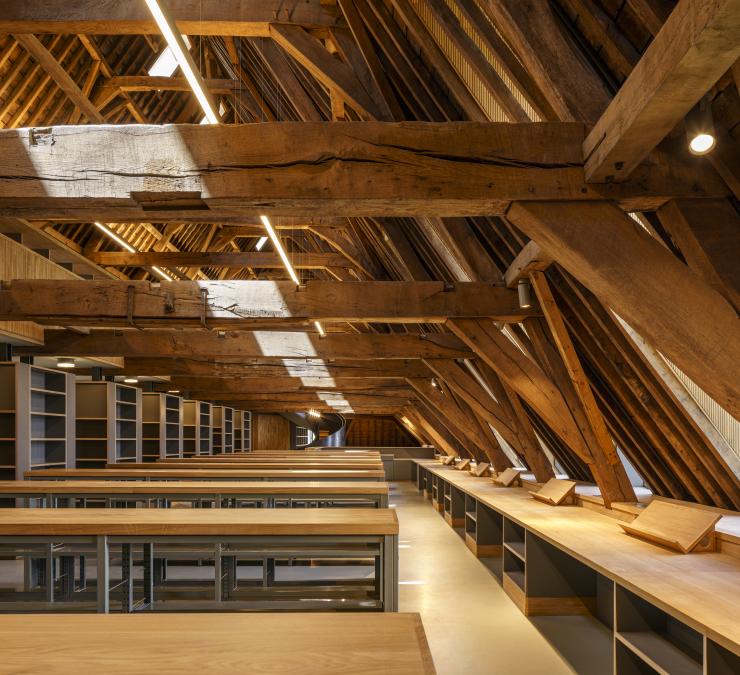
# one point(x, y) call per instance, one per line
point(472, 626)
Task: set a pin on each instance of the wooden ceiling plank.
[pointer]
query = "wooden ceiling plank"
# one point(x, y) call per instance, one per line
point(698, 43)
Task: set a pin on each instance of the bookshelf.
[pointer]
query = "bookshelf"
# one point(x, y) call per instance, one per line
point(223, 429)
point(108, 424)
point(36, 425)
point(162, 425)
point(196, 428)
point(242, 430)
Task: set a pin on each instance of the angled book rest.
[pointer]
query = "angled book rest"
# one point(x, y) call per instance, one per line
point(481, 469)
point(508, 478)
point(463, 465)
point(556, 492)
point(450, 459)
point(681, 528)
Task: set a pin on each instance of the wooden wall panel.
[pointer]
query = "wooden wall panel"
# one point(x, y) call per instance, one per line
point(270, 432)
point(19, 262)
point(377, 432)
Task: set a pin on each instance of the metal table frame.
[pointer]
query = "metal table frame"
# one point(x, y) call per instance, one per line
point(225, 551)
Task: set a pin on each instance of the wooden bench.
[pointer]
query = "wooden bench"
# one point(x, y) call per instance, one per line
point(556, 492)
point(318, 644)
point(216, 538)
point(154, 473)
point(681, 528)
point(578, 561)
point(221, 493)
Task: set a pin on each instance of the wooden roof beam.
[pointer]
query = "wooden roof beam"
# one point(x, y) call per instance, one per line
point(310, 169)
point(260, 259)
point(245, 344)
point(246, 18)
point(235, 304)
point(680, 315)
point(698, 43)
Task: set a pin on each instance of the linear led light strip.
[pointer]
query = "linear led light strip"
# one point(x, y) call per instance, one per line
point(284, 257)
point(176, 43)
point(130, 249)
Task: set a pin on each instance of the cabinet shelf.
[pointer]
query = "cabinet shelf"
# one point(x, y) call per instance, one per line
point(659, 653)
point(517, 548)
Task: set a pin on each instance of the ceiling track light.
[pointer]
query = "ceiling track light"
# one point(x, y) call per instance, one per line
point(279, 248)
point(65, 363)
point(524, 291)
point(180, 51)
point(700, 128)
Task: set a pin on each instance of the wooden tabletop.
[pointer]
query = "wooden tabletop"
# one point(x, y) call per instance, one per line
point(244, 464)
point(192, 522)
point(193, 487)
point(154, 472)
point(700, 589)
point(172, 644)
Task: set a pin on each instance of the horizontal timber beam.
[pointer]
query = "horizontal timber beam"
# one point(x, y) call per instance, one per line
point(244, 385)
point(247, 18)
point(246, 344)
point(238, 303)
point(294, 368)
point(171, 173)
point(259, 259)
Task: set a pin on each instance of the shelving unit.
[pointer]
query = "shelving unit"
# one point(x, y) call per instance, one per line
point(162, 426)
point(196, 428)
point(242, 431)
point(656, 641)
point(483, 529)
point(223, 430)
point(36, 421)
point(108, 424)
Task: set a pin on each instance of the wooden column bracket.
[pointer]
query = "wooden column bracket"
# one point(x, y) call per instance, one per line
point(509, 478)
point(556, 492)
point(682, 528)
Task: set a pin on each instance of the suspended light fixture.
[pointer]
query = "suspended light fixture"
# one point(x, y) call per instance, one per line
point(176, 43)
point(524, 290)
point(65, 363)
point(700, 128)
point(131, 380)
point(125, 245)
point(260, 243)
point(314, 413)
point(279, 248)
point(320, 328)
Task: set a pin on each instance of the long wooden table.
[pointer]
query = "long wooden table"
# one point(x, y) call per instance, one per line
point(221, 537)
point(173, 644)
point(154, 473)
point(550, 554)
point(216, 493)
point(208, 463)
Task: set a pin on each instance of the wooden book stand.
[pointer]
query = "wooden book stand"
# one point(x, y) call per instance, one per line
point(463, 465)
point(450, 459)
point(556, 492)
point(480, 469)
point(508, 478)
point(681, 528)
